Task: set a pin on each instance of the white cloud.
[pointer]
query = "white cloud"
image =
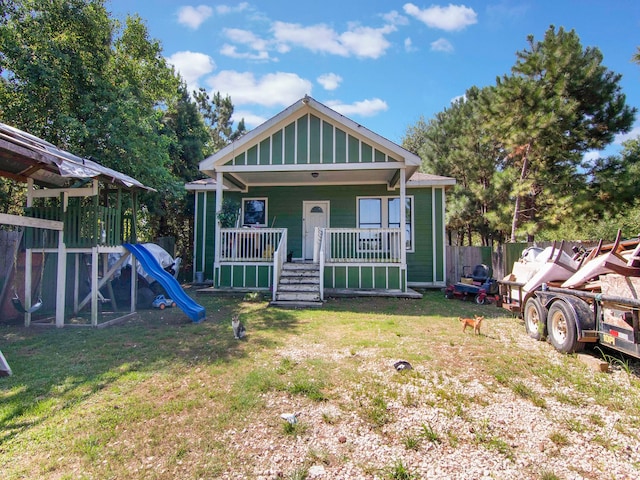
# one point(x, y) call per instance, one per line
point(192, 66)
point(232, 52)
point(330, 81)
point(364, 108)
point(591, 155)
point(623, 137)
point(246, 37)
point(367, 42)
point(251, 120)
point(258, 46)
point(226, 9)
point(364, 42)
point(408, 45)
point(450, 18)
point(442, 45)
point(394, 18)
point(274, 89)
point(193, 17)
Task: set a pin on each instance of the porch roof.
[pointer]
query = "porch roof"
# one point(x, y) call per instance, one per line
point(23, 156)
point(418, 180)
point(310, 144)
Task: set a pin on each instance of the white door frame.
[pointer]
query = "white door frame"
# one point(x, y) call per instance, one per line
point(308, 237)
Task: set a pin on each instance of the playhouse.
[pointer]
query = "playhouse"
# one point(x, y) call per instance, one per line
point(77, 213)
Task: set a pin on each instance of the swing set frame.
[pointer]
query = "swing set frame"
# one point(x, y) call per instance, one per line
point(28, 307)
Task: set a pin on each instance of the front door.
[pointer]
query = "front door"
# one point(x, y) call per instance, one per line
point(315, 215)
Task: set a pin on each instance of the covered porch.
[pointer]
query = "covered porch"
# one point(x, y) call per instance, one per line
point(312, 187)
point(367, 261)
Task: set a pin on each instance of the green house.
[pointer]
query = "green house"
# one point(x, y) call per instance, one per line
point(313, 190)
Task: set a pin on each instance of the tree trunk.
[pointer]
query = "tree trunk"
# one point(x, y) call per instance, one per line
point(516, 208)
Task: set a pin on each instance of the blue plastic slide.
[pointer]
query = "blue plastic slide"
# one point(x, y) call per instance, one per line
point(194, 311)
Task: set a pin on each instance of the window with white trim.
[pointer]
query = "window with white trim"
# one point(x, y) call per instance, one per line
point(254, 211)
point(384, 212)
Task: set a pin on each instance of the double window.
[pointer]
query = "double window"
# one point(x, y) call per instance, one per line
point(384, 212)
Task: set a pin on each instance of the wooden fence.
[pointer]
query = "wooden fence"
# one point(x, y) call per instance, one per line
point(461, 260)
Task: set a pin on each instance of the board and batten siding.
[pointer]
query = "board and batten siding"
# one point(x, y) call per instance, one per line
point(284, 210)
point(310, 140)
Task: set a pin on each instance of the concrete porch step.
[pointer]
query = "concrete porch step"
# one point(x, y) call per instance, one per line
point(298, 296)
point(299, 272)
point(315, 280)
point(300, 266)
point(291, 304)
point(299, 287)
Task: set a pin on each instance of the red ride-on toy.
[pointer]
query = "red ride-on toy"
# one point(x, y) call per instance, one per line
point(478, 285)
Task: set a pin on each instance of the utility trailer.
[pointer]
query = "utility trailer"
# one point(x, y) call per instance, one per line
point(603, 309)
point(572, 318)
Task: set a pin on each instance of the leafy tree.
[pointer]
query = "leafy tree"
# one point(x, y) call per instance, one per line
point(52, 57)
point(455, 144)
point(559, 103)
point(516, 148)
point(217, 113)
point(175, 219)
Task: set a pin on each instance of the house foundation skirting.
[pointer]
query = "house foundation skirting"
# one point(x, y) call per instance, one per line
point(365, 277)
point(244, 275)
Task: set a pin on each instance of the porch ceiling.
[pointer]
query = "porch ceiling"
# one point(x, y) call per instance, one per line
point(312, 176)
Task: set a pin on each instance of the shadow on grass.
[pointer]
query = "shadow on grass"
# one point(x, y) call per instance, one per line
point(433, 303)
point(57, 369)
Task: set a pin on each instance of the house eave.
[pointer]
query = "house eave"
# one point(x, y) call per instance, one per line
point(209, 165)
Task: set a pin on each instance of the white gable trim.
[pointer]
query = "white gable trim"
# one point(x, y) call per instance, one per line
point(271, 126)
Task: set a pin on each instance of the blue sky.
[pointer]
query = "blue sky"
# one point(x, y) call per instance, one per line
point(382, 63)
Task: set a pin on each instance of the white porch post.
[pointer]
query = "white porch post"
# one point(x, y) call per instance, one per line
point(403, 227)
point(216, 262)
point(403, 218)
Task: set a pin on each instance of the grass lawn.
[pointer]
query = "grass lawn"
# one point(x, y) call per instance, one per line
point(160, 397)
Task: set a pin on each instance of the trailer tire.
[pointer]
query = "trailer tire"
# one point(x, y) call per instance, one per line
point(535, 319)
point(562, 330)
point(480, 299)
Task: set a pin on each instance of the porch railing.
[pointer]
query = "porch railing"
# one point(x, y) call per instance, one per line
point(362, 245)
point(250, 244)
point(279, 258)
point(85, 226)
point(321, 262)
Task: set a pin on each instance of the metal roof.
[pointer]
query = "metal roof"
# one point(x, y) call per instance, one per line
point(24, 156)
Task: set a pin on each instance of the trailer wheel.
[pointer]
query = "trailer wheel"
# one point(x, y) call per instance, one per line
point(535, 319)
point(480, 299)
point(448, 294)
point(561, 325)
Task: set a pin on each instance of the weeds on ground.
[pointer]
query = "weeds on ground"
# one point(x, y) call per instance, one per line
point(546, 475)
point(398, 471)
point(159, 386)
point(429, 434)
point(300, 473)
point(559, 439)
point(294, 429)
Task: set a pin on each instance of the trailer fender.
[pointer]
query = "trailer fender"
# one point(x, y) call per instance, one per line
point(584, 315)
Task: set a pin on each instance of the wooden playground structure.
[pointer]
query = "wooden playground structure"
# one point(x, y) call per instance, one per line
point(77, 212)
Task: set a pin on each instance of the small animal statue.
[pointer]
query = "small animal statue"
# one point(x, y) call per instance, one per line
point(471, 322)
point(238, 328)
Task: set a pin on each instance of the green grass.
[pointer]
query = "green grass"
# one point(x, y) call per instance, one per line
point(159, 397)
